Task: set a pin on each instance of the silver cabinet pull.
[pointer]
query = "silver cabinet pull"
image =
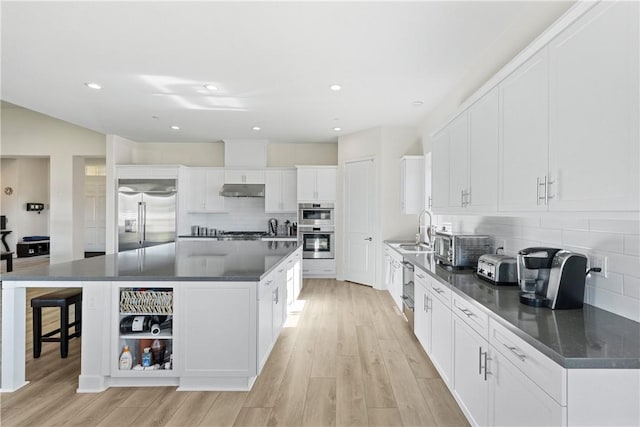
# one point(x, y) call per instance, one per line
point(522, 357)
point(420, 275)
point(462, 198)
point(429, 204)
point(424, 303)
point(438, 290)
point(538, 185)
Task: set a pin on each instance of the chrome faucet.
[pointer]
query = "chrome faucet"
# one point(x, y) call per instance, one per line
point(419, 237)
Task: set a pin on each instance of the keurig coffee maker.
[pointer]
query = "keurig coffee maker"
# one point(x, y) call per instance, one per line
point(551, 277)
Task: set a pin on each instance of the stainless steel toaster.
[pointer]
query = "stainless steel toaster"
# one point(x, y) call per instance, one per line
point(498, 269)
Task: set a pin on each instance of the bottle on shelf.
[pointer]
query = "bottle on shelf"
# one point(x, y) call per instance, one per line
point(126, 360)
point(137, 324)
point(146, 357)
point(157, 349)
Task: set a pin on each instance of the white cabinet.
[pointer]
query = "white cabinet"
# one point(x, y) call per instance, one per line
point(229, 348)
point(280, 193)
point(593, 128)
point(294, 278)
point(525, 129)
point(440, 351)
point(395, 277)
point(203, 192)
point(271, 313)
point(422, 321)
point(319, 267)
point(412, 184)
point(244, 176)
point(458, 162)
point(484, 128)
point(147, 171)
point(316, 183)
point(470, 375)
point(440, 171)
point(515, 400)
point(428, 199)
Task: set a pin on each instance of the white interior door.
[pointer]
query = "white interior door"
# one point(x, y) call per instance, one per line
point(95, 214)
point(359, 254)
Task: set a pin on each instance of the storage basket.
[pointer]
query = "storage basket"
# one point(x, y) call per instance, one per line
point(159, 302)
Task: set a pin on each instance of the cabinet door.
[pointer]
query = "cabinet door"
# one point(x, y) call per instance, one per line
point(196, 198)
point(289, 191)
point(594, 111)
point(428, 200)
point(218, 329)
point(265, 320)
point(441, 337)
point(515, 400)
point(273, 191)
point(234, 176)
point(253, 176)
point(215, 180)
point(412, 184)
point(397, 283)
point(326, 184)
point(483, 153)
point(440, 171)
point(469, 382)
point(278, 297)
point(524, 143)
point(458, 162)
point(422, 321)
point(306, 184)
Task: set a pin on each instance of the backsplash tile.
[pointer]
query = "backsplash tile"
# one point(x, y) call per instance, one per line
point(244, 214)
point(618, 240)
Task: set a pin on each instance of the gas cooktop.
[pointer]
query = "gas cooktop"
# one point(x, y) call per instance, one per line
point(242, 235)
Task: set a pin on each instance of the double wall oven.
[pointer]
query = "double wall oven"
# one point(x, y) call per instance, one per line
point(316, 230)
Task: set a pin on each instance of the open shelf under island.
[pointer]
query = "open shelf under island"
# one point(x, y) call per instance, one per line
point(221, 307)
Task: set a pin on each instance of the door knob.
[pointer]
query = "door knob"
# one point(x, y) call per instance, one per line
point(369, 238)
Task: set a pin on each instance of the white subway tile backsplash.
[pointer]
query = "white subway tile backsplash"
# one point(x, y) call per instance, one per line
point(632, 287)
point(632, 245)
point(615, 226)
point(608, 242)
point(616, 303)
point(618, 240)
point(612, 283)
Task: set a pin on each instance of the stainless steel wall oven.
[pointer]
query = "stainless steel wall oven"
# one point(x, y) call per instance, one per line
point(317, 242)
point(316, 214)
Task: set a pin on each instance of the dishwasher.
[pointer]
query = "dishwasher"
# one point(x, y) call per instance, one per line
point(407, 292)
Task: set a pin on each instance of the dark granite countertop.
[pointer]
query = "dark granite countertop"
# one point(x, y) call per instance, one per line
point(587, 338)
point(181, 261)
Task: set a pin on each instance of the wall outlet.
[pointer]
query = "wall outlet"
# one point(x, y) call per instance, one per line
point(598, 261)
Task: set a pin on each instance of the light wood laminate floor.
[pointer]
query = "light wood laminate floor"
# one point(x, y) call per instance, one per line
point(345, 358)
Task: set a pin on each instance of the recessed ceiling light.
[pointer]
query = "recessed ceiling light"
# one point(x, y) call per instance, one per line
point(337, 129)
point(174, 127)
point(210, 87)
point(335, 87)
point(95, 86)
point(256, 128)
point(417, 103)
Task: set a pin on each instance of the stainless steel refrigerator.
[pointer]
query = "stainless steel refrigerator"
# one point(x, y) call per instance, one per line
point(146, 212)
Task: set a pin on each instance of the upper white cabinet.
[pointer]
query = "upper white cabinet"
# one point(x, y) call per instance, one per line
point(244, 176)
point(412, 184)
point(316, 183)
point(203, 191)
point(484, 130)
point(428, 199)
point(525, 130)
point(245, 153)
point(565, 121)
point(440, 171)
point(280, 190)
point(593, 116)
point(147, 171)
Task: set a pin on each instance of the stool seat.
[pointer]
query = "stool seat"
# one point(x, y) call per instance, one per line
point(62, 299)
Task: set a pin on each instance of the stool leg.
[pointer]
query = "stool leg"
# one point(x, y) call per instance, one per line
point(10, 263)
point(37, 332)
point(77, 308)
point(64, 331)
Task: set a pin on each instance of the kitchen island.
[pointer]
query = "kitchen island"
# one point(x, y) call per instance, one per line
point(221, 303)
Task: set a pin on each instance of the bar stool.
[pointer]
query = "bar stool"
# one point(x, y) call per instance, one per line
point(7, 256)
point(62, 299)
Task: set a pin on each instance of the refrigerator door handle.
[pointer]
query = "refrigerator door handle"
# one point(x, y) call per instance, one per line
point(139, 230)
point(144, 222)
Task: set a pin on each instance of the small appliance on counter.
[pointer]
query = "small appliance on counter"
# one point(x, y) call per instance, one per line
point(272, 227)
point(460, 250)
point(498, 269)
point(551, 277)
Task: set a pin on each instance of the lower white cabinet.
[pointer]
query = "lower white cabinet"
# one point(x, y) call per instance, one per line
point(422, 320)
point(441, 337)
point(271, 312)
point(515, 400)
point(218, 321)
point(319, 267)
point(470, 376)
point(294, 278)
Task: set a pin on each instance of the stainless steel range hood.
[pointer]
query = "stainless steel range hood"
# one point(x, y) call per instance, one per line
point(242, 190)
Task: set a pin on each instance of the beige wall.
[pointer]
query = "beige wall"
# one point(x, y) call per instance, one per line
point(288, 155)
point(385, 145)
point(26, 133)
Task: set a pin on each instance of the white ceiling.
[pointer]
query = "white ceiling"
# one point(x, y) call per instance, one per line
point(272, 62)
